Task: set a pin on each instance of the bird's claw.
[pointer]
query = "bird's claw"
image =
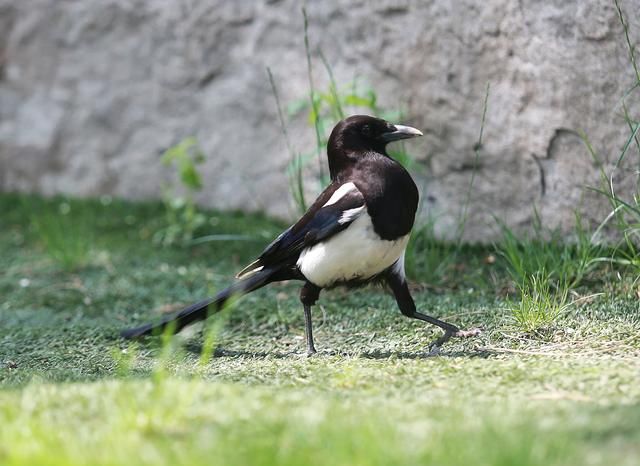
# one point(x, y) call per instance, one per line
point(435, 347)
point(472, 332)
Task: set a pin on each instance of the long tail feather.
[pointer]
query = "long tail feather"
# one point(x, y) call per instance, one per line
point(201, 309)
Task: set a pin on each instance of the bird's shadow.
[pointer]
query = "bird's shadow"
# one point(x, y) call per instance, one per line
point(220, 352)
point(422, 354)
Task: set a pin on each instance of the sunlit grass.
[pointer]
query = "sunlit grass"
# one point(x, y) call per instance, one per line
point(540, 305)
point(177, 422)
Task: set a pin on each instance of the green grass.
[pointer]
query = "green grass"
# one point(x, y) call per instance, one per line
point(624, 216)
point(72, 392)
point(565, 263)
point(540, 306)
point(65, 232)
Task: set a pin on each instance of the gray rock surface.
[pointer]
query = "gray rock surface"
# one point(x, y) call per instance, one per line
point(93, 91)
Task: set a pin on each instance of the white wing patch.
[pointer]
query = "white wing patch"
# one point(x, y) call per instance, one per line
point(340, 193)
point(351, 214)
point(356, 253)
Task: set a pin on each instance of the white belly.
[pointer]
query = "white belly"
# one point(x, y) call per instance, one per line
point(356, 253)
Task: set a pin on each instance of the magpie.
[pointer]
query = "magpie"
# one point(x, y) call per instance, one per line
point(356, 232)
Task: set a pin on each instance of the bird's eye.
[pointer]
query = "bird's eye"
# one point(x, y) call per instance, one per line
point(366, 130)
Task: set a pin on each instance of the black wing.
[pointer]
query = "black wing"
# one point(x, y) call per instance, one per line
point(332, 212)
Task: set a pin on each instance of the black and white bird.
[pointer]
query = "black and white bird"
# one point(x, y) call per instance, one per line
point(355, 232)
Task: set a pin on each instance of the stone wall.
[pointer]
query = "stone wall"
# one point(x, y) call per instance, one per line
point(93, 91)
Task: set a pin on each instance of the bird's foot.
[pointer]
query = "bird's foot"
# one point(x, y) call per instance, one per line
point(311, 351)
point(472, 332)
point(436, 346)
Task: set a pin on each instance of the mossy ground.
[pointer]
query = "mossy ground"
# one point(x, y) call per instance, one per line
point(72, 392)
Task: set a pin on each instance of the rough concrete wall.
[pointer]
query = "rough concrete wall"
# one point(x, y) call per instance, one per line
point(92, 92)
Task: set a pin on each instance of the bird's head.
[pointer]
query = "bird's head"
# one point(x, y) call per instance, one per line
point(367, 133)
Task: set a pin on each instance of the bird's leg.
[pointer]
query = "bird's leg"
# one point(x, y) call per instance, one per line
point(400, 289)
point(449, 329)
point(308, 296)
point(308, 331)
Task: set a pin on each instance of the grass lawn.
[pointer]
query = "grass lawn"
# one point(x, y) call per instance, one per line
point(72, 392)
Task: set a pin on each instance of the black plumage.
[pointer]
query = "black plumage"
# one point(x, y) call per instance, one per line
point(355, 232)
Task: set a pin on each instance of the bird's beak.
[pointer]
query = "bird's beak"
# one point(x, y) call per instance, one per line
point(401, 132)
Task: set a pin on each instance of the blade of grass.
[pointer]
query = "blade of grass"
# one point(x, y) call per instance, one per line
point(333, 88)
point(296, 179)
point(477, 147)
point(312, 97)
point(634, 133)
point(630, 46)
